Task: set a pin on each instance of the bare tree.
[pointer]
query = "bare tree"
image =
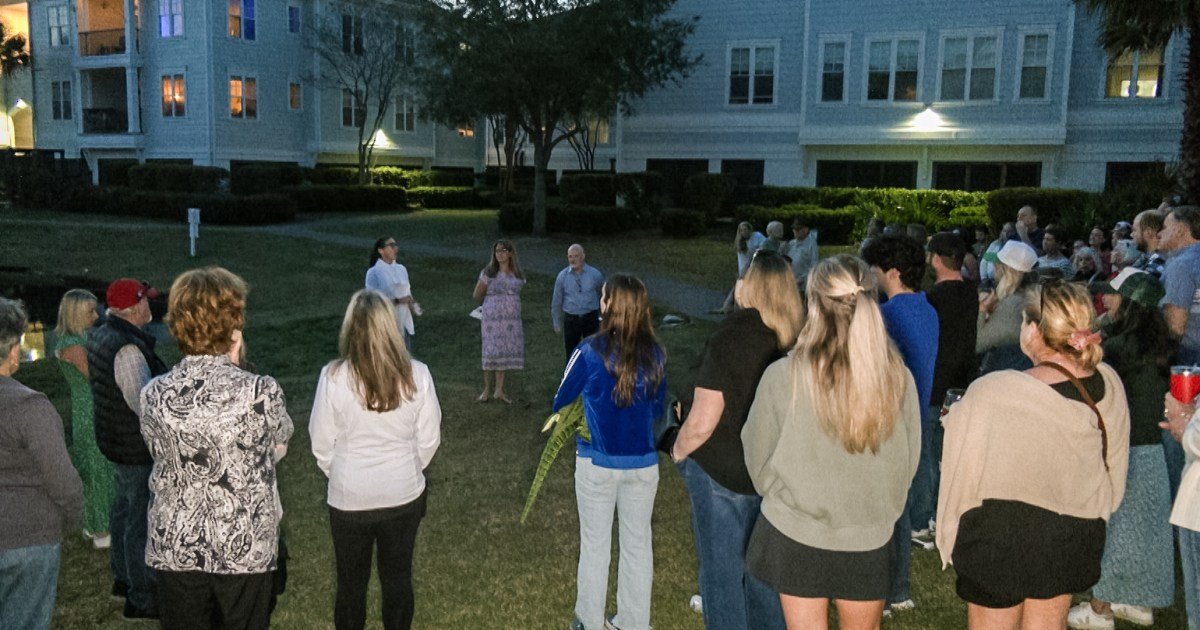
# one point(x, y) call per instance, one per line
point(367, 50)
point(584, 134)
point(508, 139)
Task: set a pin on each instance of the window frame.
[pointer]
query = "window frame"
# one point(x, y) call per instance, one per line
point(970, 35)
point(249, 94)
point(354, 110)
point(243, 20)
point(61, 105)
point(180, 111)
point(1164, 93)
point(171, 18)
point(353, 42)
point(753, 45)
point(299, 96)
point(1022, 33)
point(403, 104)
point(407, 43)
point(822, 41)
point(299, 21)
point(63, 29)
point(894, 39)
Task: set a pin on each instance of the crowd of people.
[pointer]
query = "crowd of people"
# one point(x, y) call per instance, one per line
point(1004, 401)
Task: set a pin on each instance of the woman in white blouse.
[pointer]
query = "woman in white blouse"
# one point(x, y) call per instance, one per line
point(375, 426)
point(390, 278)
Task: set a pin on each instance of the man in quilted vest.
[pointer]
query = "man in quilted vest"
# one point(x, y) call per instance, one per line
point(121, 360)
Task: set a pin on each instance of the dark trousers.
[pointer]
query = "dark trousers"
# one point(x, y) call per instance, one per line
point(391, 533)
point(194, 600)
point(577, 327)
point(127, 524)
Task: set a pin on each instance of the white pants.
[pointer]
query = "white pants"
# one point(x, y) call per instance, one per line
point(597, 491)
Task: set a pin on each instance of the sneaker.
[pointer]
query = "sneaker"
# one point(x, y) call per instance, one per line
point(1082, 617)
point(132, 613)
point(696, 603)
point(1137, 615)
point(576, 624)
point(120, 590)
point(922, 533)
point(609, 625)
point(907, 604)
point(102, 542)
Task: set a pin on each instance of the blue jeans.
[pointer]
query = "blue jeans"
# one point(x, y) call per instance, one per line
point(28, 585)
point(721, 523)
point(1189, 552)
point(127, 525)
point(598, 491)
point(1173, 452)
point(922, 495)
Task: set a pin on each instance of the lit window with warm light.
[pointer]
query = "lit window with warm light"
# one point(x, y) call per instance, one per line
point(174, 96)
point(1136, 74)
point(241, 19)
point(243, 97)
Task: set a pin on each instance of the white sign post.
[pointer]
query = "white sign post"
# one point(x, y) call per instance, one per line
point(193, 229)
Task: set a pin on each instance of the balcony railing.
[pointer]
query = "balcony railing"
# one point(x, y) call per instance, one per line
point(99, 43)
point(105, 121)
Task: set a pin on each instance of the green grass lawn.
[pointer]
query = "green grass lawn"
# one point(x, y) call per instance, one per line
point(476, 567)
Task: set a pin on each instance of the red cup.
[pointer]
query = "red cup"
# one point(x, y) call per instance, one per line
point(1185, 383)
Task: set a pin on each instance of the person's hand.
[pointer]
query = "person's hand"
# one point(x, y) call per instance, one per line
point(416, 308)
point(1176, 416)
point(1022, 230)
point(988, 302)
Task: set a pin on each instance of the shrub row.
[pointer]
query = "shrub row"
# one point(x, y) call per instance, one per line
point(834, 226)
point(444, 196)
point(590, 189)
point(217, 209)
point(682, 222)
point(336, 198)
point(593, 220)
point(641, 192)
point(183, 178)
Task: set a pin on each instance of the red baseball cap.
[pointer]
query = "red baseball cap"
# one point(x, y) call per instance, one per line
point(127, 292)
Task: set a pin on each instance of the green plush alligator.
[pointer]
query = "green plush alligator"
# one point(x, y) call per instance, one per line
point(567, 423)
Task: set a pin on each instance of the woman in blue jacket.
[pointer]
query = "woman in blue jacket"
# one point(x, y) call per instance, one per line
point(620, 372)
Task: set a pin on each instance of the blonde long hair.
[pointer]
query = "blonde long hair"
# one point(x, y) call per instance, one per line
point(626, 339)
point(858, 374)
point(371, 346)
point(770, 287)
point(74, 311)
point(1009, 281)
point(1064, 314)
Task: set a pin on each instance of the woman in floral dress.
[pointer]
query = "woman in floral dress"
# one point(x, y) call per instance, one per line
point(499, 288)
point(76, 314)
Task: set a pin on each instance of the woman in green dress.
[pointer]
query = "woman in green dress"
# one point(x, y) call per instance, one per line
point(76, 314)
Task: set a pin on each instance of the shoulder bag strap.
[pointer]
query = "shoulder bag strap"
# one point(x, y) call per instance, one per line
point(1087, 399)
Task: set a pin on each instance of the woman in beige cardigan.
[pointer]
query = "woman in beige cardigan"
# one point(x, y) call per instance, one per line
point(1031, 473)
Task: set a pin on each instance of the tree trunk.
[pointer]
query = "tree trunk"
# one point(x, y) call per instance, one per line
point(1189, 142)
point(512, 131)
point(541, 158)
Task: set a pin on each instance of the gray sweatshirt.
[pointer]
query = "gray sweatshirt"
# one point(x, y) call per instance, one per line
point(40, 493)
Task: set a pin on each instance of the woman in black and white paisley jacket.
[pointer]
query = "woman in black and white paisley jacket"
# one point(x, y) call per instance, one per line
point(215, 432)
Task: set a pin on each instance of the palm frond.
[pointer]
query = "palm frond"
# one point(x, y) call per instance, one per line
point(1140, 24)
point(565, 425)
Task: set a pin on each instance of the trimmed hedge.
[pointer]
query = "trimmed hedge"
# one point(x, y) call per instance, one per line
point(592, 220)
point(215, 209)
point(183, 178)
point(257, 179)
point(588, 189)
point(331, 198)
point(444, 196)
point(707, 192)
point(833, 226)
point(643, 192)
point(967, 217)
point(682, 222)
point(1072, 209)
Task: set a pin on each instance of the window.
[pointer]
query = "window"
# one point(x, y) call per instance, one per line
point(833, 72)
point(352, 114)
point(406, 44)
point(892, 69)
point(241, 19)
point(752, 75)
point(352, 34)
point(406, 114)
point(174, 96)
point(866, 174)
point(293, 19)
point(60, 25)
point(243, 97)
point(170, 18)
point(294, 96)
point(466, 130)
point(1118, 175)
point(969, 68)
point(984, 176)
point(60, 99)
point(1136, 74)
point(1035, 65)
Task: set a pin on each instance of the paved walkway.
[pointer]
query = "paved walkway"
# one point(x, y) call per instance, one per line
point(682, 297)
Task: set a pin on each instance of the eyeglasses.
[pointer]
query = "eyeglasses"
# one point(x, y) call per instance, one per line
point(1050, 282)
point(392, 245)
point(504, 249)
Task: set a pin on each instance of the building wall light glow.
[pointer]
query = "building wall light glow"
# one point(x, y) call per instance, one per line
point(20, 104)
point(928, 120)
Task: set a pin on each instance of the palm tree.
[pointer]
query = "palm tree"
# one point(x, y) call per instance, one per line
point(1129, 25)
point(14, 55)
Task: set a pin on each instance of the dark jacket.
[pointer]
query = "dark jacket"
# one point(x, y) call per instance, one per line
point(118, 429)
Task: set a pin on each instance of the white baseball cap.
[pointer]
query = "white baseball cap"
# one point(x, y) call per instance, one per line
point(1015, 254)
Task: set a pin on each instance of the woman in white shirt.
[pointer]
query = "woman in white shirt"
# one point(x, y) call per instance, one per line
point(375, 426)
point(390, 279)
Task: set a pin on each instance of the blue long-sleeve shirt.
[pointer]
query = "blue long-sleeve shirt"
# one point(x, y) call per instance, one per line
point(575, 293)
point(622, 437)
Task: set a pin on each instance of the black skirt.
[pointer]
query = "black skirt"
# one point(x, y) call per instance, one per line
point(1009, 551)
point(794, 568)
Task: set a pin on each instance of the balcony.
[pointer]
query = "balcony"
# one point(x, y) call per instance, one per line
point(105, 120)
point(102, 43)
